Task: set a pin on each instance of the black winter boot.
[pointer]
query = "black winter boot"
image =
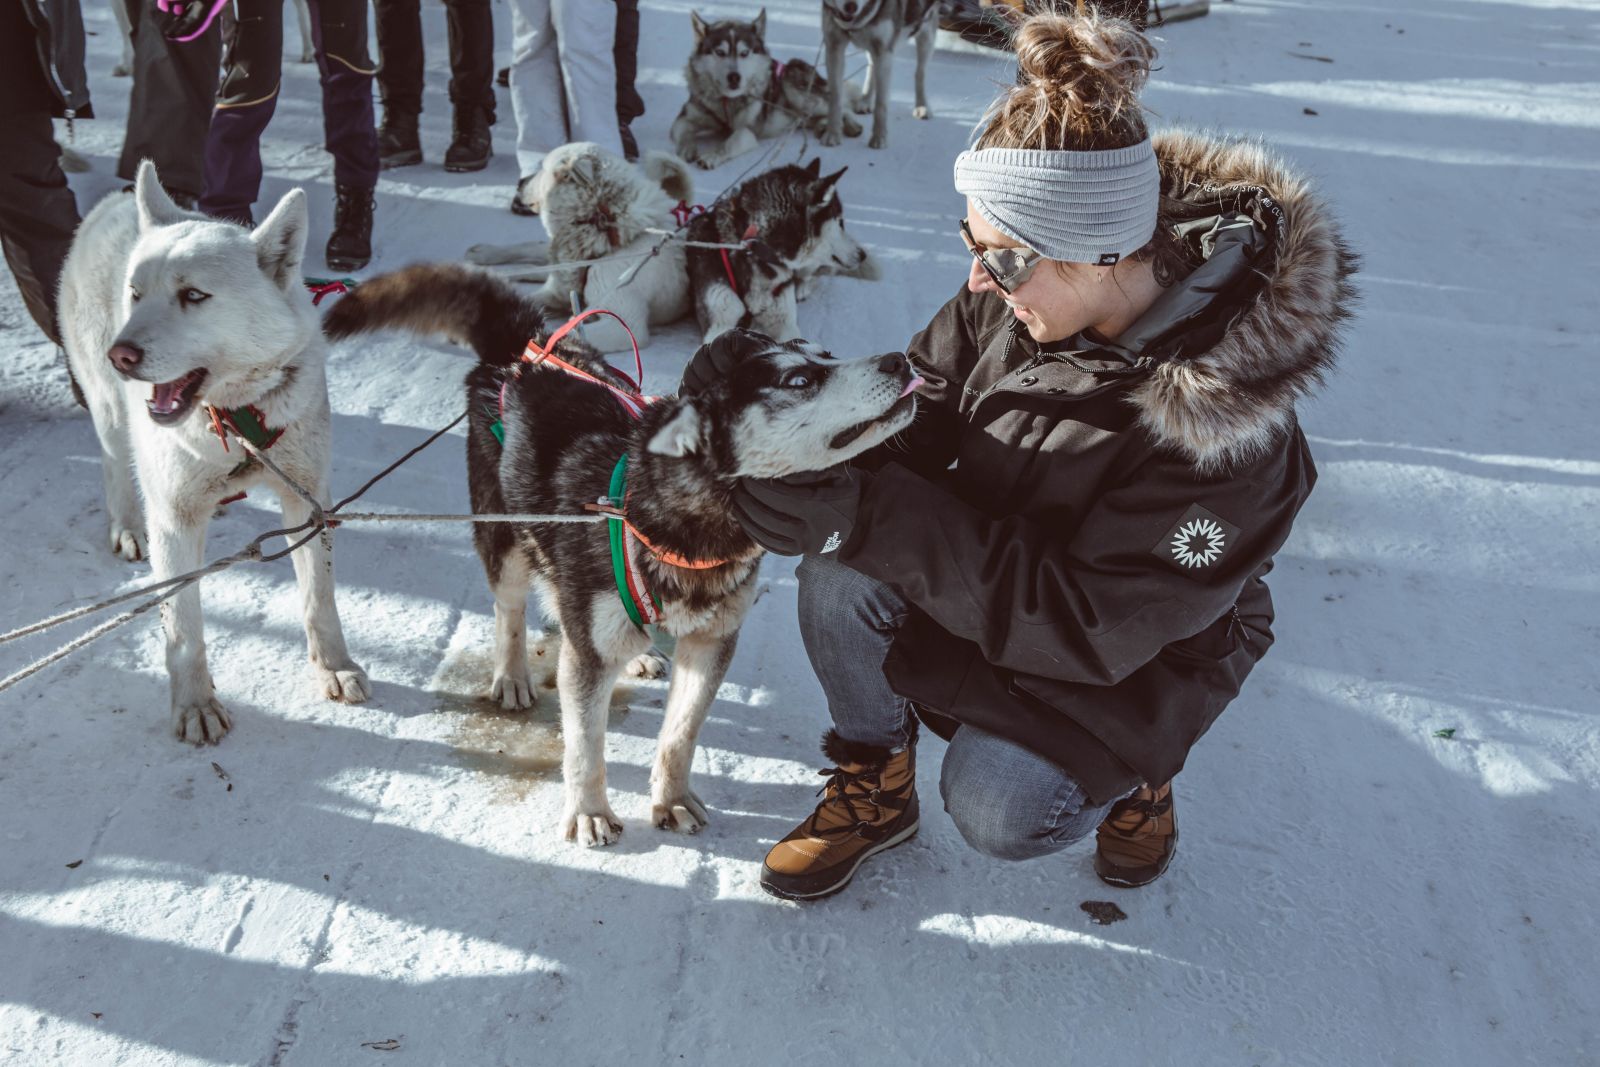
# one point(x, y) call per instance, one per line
point(398, 145)
point(350, 247)
point(470, 145)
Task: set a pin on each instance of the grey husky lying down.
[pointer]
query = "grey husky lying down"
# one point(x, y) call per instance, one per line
point(543, 440)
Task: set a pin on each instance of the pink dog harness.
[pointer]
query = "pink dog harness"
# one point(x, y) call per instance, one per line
point(188, 19)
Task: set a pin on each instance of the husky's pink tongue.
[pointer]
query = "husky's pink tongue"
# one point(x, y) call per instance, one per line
point(167, 397)
point(911, 387)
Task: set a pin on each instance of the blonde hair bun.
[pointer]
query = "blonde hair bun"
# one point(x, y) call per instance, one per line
point(1078, 82)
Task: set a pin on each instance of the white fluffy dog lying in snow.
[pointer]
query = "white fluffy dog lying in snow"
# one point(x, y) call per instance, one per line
point(595, 204)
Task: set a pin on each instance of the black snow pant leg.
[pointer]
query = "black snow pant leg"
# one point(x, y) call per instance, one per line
point(630, 105)
point(169, 109)
point(349, 126)
point(38, 212)
point(471, 25)
point(245, 104)
point(399, 26)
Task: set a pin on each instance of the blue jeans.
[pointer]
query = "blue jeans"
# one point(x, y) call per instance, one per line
point(1006, 801)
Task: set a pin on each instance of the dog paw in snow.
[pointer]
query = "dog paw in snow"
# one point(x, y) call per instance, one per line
point(127, 542)
point(650, 664)
point(347, 683)
point(512, 691)
point(200, 722)
point(591, 827)
point(678, 809)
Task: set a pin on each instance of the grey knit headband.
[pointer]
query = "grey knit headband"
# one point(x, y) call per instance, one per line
point(1081, 207)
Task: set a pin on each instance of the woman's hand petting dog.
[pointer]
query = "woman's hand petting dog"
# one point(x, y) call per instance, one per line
point(800, 514)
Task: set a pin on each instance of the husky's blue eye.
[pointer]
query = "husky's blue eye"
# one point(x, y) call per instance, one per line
point(797, 379)
point(192, 296)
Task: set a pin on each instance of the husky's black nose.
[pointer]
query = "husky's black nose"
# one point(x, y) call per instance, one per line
point(125, 357)
point(733, 79)
point(893, 363)
point(849, 8)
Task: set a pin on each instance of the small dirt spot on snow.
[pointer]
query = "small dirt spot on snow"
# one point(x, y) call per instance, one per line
point(1103, 912)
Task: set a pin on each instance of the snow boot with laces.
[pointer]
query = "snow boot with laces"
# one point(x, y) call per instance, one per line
point(1137, 839)
point(869, 804)
point(350, 246)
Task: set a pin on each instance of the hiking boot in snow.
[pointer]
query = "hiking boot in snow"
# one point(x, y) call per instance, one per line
point(350, 246)
point(398, 145)
point(1137, 839)
point(470, 146)
point(869, 804)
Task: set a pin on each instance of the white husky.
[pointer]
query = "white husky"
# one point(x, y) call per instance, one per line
point(175, 323)
point(595, 205)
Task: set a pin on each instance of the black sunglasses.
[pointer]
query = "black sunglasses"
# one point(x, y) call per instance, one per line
point(1006, 267)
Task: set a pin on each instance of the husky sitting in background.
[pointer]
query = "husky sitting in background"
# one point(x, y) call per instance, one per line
point(739, 95)
point(595, 204)
point(543, 441)
point(795, 221)
point(875, 26)
point(175, 325)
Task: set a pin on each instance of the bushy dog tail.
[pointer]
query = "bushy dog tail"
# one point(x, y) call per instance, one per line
point(469, 306)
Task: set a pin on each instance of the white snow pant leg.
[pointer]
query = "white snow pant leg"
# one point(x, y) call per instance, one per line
point(586, 34)
point(537, 98)
point(563, 76)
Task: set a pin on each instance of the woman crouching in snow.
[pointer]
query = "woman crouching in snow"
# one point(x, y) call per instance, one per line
point(1060, 565)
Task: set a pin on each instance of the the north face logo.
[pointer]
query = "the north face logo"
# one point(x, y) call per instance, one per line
point(833, 542)
point(1198, 541)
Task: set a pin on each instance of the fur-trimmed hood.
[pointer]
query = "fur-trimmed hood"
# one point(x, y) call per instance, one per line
point(1231, 400)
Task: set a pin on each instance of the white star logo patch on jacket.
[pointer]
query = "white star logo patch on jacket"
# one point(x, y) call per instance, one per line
point(1198, 541)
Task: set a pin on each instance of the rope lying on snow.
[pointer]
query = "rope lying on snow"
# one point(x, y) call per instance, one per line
point(321, 519)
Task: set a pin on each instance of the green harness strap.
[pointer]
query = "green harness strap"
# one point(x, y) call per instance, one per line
point(617, 532)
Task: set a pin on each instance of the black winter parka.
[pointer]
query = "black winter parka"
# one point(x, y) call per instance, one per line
point(1083, 528)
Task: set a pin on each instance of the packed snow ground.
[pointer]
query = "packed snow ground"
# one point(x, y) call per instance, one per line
point(1351, 889)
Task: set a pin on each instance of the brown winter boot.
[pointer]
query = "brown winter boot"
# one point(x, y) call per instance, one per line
point(869, 804)
point(1137, 839)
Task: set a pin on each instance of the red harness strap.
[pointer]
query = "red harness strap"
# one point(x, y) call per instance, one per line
point(686, 211)
point(633, 402)
point(750, 234)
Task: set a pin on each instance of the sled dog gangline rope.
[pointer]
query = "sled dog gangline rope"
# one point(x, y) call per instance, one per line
point(321, 519)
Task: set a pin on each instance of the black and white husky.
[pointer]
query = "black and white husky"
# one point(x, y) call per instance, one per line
point(876, 27)
point(740, 95)
point(795, 221)
point(542, 440)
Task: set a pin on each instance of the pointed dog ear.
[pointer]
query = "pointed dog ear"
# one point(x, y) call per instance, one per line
point(761, 25)
point(155, 206)
point(679, 435)
point(814, 168)
point(281, 240)
point(823, 191)
point(699, 25)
